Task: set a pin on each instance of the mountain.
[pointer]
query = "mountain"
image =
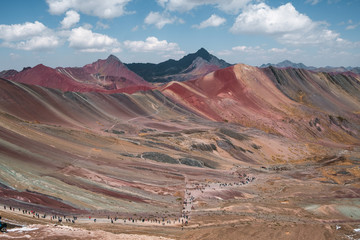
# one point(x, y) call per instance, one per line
point(266, 99)
point(356, 70)
point(286, 64)
point(109, 75)
point(191, 66)
point(8, 73)
point(251, 139)
point(328, 69)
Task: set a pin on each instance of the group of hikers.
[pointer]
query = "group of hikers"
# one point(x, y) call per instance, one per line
point(35, 214)
point(183, 220)
point(73, 219)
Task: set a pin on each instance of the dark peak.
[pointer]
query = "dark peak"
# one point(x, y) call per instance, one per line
point(112, 59)
point(203, 53)
point(25, 68)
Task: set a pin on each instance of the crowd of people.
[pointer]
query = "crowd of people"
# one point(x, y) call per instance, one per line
point(192, 192)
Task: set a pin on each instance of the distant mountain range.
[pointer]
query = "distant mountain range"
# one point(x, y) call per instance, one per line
point(112, 76)
point(109, 75)
point(289, 64)
point(191, 66)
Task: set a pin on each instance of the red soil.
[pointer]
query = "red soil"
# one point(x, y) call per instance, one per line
point(108, 76)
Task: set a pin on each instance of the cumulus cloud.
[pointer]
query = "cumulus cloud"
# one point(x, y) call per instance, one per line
point(314, 36)
point(37, 43)
point(21, 31)
point(29, 36)
point(152, 44)
point(285, 23)
point(212, 21)
point(85, 40)
point(159, 20)
point(99, 8)
point(261, 18)
point(229, 6)
point(71, 18)
point(248, 49)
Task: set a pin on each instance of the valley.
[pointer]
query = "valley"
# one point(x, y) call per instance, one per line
point(236, 153)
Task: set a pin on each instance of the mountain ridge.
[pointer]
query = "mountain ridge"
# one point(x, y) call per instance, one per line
point(288, 63)
point(171, 69)
point(104, 75)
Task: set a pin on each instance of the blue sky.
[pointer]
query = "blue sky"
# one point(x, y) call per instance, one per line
point(77, 32)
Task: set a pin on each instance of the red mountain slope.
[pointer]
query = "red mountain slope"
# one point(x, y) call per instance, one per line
point(279, 103)
point(108, 75)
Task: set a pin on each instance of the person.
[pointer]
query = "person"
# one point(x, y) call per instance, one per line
point(3, 226)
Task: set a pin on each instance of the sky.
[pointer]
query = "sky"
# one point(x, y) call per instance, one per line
point(72, 33)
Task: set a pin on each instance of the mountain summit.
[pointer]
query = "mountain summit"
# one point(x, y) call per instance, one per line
point(113, 59)
point(191, 66)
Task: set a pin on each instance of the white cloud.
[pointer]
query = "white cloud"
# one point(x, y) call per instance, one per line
point(100, 25)
point(160, 20)
point(278, 50)
point(352, 25)
point(240, 48)
point(248, 49)
point(313, 2)
point(212, 21)
point(87, 26)
point(99, 8)
point(134, 29)
point(261, 18)
point(258, 50)
point(37, 43)
point(285, 23)
point(85, 40)
point(311, 36)
point(232, 6)
point(229, 6)
point(29, 36)
point(162, 2)
point(70, 19)
point(21, 31)
point(152, 44)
